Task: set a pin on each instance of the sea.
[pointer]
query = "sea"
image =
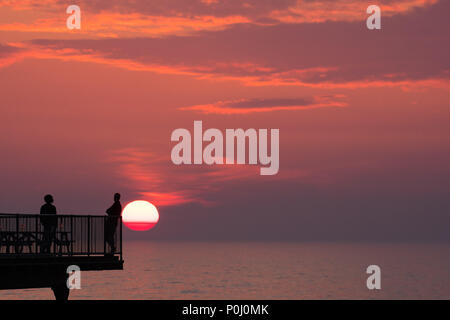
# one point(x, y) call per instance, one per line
point(257, 270)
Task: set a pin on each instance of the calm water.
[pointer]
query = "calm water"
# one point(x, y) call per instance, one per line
point(265, 271)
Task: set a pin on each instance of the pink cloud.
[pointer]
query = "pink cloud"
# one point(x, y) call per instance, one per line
point(412, 53)
point(179, 17)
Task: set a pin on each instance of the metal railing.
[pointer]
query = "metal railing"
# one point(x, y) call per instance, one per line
point(60, 235)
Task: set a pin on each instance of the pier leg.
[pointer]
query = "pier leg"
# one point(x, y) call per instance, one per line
point(61, 292)
point(59, 286)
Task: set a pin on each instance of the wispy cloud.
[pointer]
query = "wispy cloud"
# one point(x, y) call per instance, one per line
point(156, 179)
point(165, 184)
point(246, 106)
point(10, 55)
point(145, 173)
point(117, 25)
point(342, 10)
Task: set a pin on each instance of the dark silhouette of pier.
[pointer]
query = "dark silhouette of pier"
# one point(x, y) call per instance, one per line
point(31, 258)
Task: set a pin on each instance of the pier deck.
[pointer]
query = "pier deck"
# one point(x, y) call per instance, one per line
point(32, 255)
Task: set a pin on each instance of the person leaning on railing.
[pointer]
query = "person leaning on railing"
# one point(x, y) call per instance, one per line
point(111, 221)
point(49, 223)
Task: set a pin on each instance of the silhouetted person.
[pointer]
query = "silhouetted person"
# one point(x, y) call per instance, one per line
point(49, 223)
point(111, 221)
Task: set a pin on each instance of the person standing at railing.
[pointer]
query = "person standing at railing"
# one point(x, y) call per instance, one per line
point(111, 221)
point(49, 223)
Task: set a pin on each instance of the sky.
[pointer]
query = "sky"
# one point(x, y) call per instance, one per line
point(363, 115)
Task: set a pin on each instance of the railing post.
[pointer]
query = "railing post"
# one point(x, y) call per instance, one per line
point(89, 235)
point(36, 235)
point(104, 235)
point(71, 235)
point(17, 234)
point(120, 220)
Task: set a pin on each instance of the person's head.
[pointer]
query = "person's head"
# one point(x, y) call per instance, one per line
point(116, 196)
point(48, 198)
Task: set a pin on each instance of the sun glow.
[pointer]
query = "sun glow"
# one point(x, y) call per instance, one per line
point(140, 215)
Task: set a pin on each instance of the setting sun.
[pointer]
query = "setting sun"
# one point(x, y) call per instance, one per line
point(140, 215)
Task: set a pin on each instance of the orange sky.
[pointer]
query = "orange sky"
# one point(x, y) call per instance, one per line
point(363, 115)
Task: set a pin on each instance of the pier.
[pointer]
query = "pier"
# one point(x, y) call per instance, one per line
point(31, 256)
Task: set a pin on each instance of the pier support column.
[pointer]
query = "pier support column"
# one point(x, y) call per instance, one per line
point(59, 285)
point(61, 291)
